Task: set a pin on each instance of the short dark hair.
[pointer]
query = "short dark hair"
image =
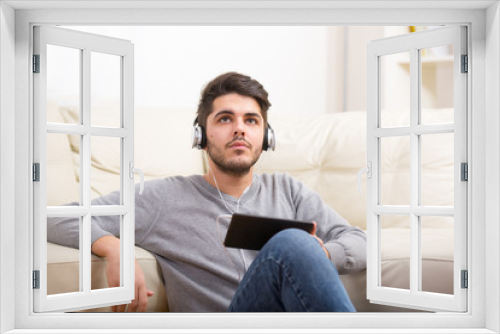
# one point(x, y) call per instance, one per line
point(227, 83)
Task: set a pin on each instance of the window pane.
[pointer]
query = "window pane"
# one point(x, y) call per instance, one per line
point(436, 65)
point(99, 264)
point(105, 90)
point(63, 82)
point(395, 77)
point(395, 170)
point(437, 236)
point(63, 263)
point(395, 251)
point(106, 167)
point(437, 169)
point(62, 174)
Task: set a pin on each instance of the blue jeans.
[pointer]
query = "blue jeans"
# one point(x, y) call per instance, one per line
point(291, 274)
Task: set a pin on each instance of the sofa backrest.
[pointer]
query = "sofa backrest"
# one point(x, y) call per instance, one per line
point(162, 147)
point(325, 152)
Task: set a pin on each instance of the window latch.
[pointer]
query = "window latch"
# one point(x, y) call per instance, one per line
point(133, 170)
point(368, 171)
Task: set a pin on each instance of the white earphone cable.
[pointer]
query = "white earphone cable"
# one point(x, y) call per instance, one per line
point(227, 216)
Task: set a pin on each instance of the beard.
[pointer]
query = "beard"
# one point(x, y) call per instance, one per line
point(233, 167)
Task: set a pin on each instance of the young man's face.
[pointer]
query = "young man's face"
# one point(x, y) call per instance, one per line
point(235, 132)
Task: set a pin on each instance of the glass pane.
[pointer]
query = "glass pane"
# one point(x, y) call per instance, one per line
point(437, 169)
point(99, 264)
point(436, 65)
point(63, 84)
point(105, 168)
point(63, 263)
point(395, 251)
point(395, 170)
point(105, 90)
point(395, 77)
point(437, 236)
point(62, 174)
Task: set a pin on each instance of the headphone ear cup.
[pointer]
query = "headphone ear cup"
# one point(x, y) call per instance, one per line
point(203, 142)
point(199, 137)
point(269, 143)
point(265, 143)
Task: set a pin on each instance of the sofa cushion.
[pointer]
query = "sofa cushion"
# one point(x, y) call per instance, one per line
point(437, 267)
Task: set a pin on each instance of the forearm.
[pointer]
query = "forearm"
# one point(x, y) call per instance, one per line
point(107, 246)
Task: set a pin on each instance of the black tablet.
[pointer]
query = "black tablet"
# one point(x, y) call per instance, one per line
point(252, 232)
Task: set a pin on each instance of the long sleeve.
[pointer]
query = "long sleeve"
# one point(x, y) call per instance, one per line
point(66, 230)
point(345, 243)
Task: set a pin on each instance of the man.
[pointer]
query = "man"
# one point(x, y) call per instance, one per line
point(182, 221)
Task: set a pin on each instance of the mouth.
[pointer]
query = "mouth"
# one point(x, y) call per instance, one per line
point(239, 145)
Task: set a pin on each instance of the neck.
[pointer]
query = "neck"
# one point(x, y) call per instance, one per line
point(233, 185)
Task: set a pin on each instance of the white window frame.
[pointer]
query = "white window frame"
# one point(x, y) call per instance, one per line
point(414, 297)
point(484, 183)
point(85, 43)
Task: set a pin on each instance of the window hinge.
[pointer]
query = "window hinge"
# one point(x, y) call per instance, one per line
point(465, 64)
point(36, 279)
point(36, 63)
point(36, 172)
point(465, 279)
point(464, 171)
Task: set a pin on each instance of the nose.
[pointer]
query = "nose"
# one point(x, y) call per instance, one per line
point(239, 128)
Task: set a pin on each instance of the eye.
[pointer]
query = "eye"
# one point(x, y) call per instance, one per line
point(224, 119)
point(252, 121)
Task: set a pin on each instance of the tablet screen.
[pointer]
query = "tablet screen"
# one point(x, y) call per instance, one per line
point(252, 232)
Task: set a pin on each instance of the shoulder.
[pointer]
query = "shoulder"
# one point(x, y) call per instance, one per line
point(280, 180)
point(171, 182)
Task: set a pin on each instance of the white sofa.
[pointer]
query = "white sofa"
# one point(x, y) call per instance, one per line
point(324, 152)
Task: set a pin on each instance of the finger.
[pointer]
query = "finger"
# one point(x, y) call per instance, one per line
point(319, 240)
point(327, 253)
point(313, 232)
point(143, 300)
point(150, 293)
point(132, 307)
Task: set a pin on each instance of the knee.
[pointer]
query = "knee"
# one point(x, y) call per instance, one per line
point(292, 241)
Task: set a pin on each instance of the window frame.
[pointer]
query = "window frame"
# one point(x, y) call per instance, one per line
point(483, 50)
point(86, 44)
point(414, 297)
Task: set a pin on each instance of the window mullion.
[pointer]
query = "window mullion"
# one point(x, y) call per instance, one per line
point(414, 169)
point(85, 156)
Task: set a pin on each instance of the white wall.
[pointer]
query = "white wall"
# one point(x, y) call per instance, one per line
point(355, 82)
point(172, 64)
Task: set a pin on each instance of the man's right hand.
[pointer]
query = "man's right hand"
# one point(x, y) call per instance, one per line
point(109, 247)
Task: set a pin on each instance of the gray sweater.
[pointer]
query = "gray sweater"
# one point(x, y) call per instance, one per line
point(180, 220)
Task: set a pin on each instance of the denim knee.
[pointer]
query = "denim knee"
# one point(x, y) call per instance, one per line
point(292, 241)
